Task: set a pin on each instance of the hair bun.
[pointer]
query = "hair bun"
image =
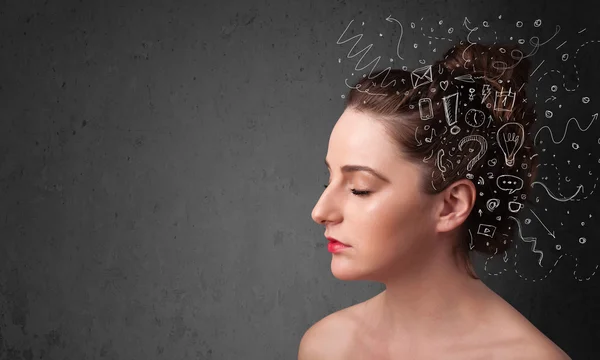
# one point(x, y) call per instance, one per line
point(501, 65)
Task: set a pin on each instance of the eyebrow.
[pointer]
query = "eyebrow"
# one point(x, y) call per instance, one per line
point(354, 168)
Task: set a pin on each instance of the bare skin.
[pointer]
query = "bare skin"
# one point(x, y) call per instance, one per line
point(499, 332)
point(403, 238)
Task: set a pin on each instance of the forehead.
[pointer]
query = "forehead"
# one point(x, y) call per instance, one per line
point(359, 138)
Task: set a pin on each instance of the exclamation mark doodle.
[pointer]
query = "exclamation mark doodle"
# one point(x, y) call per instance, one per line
point(451, 108)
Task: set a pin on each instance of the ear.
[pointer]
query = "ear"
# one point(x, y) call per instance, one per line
point(457, 201)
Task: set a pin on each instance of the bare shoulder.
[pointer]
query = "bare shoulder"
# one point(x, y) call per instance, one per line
point(513, 340)
point(523, 340)
point(535, 345)
point(326, 338)
point(531, 347)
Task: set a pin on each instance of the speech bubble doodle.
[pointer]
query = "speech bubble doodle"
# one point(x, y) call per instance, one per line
point(509, 183)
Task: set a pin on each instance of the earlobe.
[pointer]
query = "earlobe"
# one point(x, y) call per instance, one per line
point(449, 222)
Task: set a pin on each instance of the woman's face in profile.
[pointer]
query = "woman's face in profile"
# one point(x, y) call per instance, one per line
point(390, 228)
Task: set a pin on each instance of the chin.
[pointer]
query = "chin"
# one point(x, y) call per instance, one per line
point(346, 272)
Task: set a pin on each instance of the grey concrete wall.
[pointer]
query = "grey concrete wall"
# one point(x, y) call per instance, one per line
point(159, 162)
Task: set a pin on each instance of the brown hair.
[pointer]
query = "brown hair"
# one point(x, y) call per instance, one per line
point(490, 84)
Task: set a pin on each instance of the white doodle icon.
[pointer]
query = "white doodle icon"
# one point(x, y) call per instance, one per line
point(428, 139)
point(504, 100)
point(421, 76)
point(515, 206)
point(471, 94)
point(475, 118)
point(451, 108)
point(425, 109)
point(438, 160)
point(444, 85)
point(485, 93)
point(509, 183)
point(492, 204)
point(510, 137)
point(486, 230)
point(466, 78)
point(482, 150)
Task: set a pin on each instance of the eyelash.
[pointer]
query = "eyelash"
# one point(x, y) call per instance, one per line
point(356, 192)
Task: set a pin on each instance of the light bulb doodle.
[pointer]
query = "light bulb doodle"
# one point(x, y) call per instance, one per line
point(510, 138)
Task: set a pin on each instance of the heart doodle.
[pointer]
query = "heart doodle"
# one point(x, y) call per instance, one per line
point(444, 84)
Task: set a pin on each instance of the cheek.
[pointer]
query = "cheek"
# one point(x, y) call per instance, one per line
point(404, 220)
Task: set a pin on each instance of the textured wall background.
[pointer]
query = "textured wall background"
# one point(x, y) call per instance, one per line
point(159, 162)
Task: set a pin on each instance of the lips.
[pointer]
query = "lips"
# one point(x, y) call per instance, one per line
point(332, 240)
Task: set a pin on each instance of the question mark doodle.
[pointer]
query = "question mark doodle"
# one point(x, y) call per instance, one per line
point(481, 140)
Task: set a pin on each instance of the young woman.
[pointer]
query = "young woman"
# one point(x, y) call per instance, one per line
point(426, 166)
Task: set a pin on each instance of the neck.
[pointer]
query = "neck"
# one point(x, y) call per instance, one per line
point(438, 299)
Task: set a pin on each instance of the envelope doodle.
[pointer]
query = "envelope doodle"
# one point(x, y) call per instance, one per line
point(421, 76)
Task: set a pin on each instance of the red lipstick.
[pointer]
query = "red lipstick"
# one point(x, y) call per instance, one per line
point(335, 246)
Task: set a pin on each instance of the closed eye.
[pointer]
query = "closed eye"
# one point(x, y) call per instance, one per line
point(357, 192)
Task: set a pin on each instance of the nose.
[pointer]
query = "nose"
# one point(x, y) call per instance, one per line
point(323, 212)
point(317, 214)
